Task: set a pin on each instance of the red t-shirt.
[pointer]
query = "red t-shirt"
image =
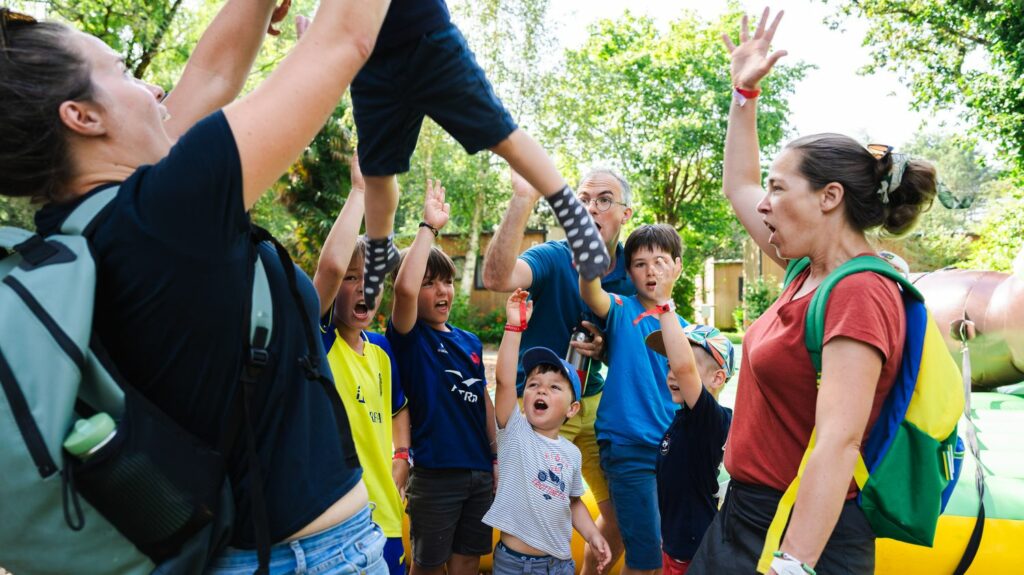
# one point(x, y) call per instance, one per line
point(776, 398)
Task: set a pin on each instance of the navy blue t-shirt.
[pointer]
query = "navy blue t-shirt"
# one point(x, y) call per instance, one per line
point(410, 19)
point(688, 462)
point(442, 374)
point(558, 306)
point(172, 294)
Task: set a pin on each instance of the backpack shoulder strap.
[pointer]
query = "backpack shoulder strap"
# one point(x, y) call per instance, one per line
point(793, 269)
point(80, 221)
point(815, 321)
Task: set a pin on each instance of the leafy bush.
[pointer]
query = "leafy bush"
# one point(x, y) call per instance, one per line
point(758, 296)
point(489, 327)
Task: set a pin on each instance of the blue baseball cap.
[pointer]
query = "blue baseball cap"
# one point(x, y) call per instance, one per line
point(543, 356)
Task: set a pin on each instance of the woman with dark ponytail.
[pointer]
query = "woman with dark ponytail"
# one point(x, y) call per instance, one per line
point(825, 193)
point(175, 254)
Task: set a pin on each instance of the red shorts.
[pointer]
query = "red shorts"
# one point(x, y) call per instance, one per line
point(670, 566)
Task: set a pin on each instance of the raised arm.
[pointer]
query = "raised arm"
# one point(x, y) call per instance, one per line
point(401, 437)
point(595, 297)
point(217, 69)
point(677, 347)
point(741, 173)
point(336, 253)
point(309, 83)
point(414, 264)
point(503, 270)
point(508, 354)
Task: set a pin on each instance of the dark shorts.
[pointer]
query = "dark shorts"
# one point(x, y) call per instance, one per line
point(437, 76)
point(734, 541)
point(445, 511)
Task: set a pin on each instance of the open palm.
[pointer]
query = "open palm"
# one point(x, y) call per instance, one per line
point(750, 59)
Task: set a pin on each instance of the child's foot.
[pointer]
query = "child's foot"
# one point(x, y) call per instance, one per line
point(381, 257)
point(588, 250)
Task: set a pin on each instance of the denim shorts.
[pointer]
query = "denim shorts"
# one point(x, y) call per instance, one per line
point(509, 562)
point(435, 75)
point(631, 471)
point(445, 509)
point(354, 546)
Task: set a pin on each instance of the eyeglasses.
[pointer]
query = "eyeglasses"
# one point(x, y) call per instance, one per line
point(10, 20)
point(603, 203)
point(879, 151)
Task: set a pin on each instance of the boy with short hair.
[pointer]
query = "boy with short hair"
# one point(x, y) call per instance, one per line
point(452, 416)
point(365, 373)
point(636, 408)
point(422, 66)
point(538, 501)
point(700, 362)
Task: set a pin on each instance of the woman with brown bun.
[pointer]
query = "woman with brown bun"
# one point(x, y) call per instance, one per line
point(174, 250)
point(825, 193)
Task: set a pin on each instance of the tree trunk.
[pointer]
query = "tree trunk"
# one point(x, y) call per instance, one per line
point(469, 270)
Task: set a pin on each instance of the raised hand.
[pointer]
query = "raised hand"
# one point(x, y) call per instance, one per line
point(435, 210)
point(515, 307)
point(750, 59)
point(277, 16)
point(354, 172)
point(667, 271)
point(522, 188)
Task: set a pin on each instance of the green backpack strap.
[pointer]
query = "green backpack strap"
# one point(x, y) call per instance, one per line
point(814, 333)
point(793, 269)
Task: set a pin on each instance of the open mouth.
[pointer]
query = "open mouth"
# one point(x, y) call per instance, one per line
point(771, 229)
point(540, 405)
point(360, 311)
point(673, 387)
point(441, 306)
point(651, 285)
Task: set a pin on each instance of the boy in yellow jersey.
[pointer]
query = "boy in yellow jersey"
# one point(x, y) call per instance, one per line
point(364, 371)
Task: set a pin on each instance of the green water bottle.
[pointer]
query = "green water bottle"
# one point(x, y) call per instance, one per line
point(90, 435)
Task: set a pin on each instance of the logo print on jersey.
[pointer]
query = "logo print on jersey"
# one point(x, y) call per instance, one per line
point(442, 349)
point(467, 396)
point(475, 358)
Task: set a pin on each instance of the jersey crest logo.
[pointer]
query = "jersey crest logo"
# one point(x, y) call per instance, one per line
point(441, 349)
point(475, 358)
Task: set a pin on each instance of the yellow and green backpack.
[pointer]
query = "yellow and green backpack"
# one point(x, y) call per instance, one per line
point(911, 459)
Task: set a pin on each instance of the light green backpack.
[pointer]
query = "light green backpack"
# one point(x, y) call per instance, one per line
point(51, 374)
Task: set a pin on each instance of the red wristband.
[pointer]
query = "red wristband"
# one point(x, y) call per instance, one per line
point(522, 320)
point(401, 453)
point(748, 94)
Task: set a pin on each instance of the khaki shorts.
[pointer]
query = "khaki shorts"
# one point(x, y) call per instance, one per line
point(580, 430)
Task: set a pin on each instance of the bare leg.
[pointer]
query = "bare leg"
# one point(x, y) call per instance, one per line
point(525, 155)
point(609, 528)
point(381, 254)
point(463, 564)
point(420, 570)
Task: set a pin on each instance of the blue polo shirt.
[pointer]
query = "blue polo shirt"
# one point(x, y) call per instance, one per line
point(636, 407)
point(688, 462)
point(173, 288)
point(557, 305)
point(409, 19)
point(442, 374)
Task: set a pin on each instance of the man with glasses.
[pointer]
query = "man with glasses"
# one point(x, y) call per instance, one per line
point(547, 272)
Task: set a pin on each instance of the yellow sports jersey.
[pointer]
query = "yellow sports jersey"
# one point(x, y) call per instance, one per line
point(365, 383)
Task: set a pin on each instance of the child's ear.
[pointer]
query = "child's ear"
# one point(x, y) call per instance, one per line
point(718, 381)
point(574, 408)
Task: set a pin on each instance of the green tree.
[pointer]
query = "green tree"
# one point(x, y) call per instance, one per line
point(656, 104)
point(950, 53)
point(1000, 233)
point(944, 236)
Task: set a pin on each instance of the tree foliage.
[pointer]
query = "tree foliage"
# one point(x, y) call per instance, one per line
point(655, 104)
point(953, 52)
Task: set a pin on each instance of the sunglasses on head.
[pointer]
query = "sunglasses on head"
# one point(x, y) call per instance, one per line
point(10, 20)
point(879, 151)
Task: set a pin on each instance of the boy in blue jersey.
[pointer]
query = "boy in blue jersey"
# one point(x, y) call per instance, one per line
point(365, 373)
point(452, 416)
point(700, 362)
point(636, 408)
point(538, 501)
point(421, 66)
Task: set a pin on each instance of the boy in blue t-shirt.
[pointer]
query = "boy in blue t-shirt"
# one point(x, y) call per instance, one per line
point(452, 415)
point(365, 373)
point(421, 66)
point(700, 362)
point(636, 408)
